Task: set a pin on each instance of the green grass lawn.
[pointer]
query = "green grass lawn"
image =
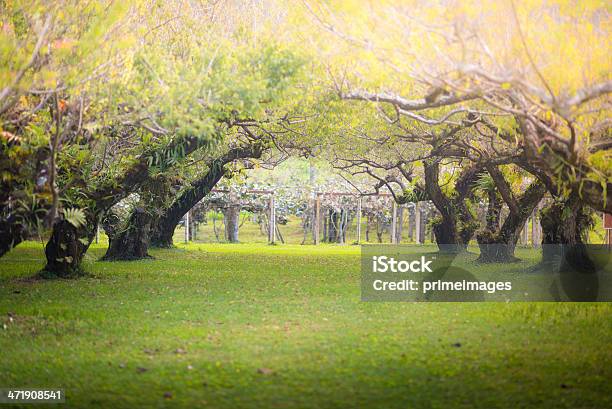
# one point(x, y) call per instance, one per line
point(251, 325)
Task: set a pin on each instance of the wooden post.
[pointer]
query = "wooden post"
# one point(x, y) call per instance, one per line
point(417, 223)
point(317, 219)
point(400, 224)
point(411, 223)
point(394, 223)
point(186, 223)
point(272, 221)
point(607, 225)
point(359, 221)
point(97, 233)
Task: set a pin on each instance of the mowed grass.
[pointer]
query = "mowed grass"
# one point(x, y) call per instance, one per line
point(258, 326)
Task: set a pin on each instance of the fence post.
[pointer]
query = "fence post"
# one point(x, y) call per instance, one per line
point(272, 221)
point(359, 221)
point(417, 223)
point(394, 223)
point(411, 219)
point(400, 224)
point(317, 219)
point(186, 223)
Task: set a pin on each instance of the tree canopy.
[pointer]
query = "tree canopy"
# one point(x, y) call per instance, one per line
point(102, 100)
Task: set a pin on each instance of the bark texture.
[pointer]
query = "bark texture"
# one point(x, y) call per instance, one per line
point(66, 247)
point(231, 215)
point(456, 224)
point(132, 242)
point(564, 225)
point(12, 233)
point(68, 244)
point(497, 244)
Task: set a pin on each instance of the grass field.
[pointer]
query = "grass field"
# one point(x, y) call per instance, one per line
point(252, 325)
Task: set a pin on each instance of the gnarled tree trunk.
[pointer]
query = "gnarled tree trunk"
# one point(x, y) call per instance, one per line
point(11, 234)
point(67, 246)
point(132, 242)
point(497, 245)
point(493, 215)
point(564, 224)
point(447, 235)
point(456, 225)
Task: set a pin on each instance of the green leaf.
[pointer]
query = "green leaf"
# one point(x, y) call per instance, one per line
point(75, 217)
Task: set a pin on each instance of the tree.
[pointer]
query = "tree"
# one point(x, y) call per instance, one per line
point(70, 240)
point(541, 78)
point(162, 227)
point(178, 97)
point(458, 152)
point(57, 59)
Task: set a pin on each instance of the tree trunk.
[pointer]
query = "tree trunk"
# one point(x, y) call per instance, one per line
point(342, 220)
point(333, 226)
point(447, 236)
point(231, 215)
point(163, 230)
point(345, 224)
point(369, 224)
point(453, 231)
point(162, 235)
point(564, 224)
point(456, 226)
point(132, 242)
point(11, 234)
point(325, 229)
point(493, 245)
point(498, 245)
point(380, 229)
point(192, 229)
point(307, 224)
point(279, 235)
point(493, 215)
point(67, 246)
